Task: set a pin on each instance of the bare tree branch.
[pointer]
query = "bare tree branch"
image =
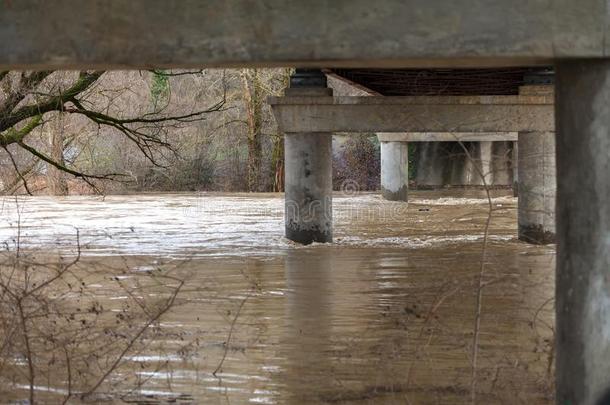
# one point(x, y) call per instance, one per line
point(87, 178)
point(55, 103)
point(16, 168)
point(168, 305)
point(26, 84)
point(19, 116)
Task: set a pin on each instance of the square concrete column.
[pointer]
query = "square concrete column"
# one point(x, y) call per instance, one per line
point(308, 170)
point(394, 170)
point(515, 166)
point(536, 187)
point(583, 232)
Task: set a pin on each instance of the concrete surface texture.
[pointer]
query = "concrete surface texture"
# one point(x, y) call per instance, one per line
point(308, 196)
point(414, 114)
point(187, 33)
point(394, 170)
point(308, 177)
point(583, 232)
point(537, 187)
point(446, 136)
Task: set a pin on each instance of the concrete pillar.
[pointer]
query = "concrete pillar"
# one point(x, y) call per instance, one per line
point(308, 170)
point(583, 232)
point(537, 187)
point(515, 167)
point(394, 170)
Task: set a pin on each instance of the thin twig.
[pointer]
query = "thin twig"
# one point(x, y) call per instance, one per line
point(28, 350)
point(69, 370)
point(14, 163)
point(479, 283)
point(228, 342)
point(132, 341)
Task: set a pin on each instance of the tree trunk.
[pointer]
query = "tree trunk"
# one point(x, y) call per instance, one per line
point(56, 180)
point(254, 110)
point(254, 163)
point(277, 163)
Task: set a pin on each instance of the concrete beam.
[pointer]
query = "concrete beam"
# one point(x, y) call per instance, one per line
point(446, 136)
point(42, 34)
point(414, 114)
point(537, 90)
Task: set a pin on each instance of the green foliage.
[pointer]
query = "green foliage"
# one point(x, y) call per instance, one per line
point(159, 89)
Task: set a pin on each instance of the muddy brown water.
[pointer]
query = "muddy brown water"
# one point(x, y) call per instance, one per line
point(385, 315)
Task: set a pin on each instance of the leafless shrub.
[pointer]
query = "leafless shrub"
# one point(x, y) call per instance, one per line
point(58, 338)
point(357, 161)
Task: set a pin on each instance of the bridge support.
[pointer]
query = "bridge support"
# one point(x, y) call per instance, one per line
point(583, 232)
point(537, 187)
point(394, 170)
point(515, 166)
point(308, 176)
point(308, 114)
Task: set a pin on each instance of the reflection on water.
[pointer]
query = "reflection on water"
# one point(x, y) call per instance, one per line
point(385, 315)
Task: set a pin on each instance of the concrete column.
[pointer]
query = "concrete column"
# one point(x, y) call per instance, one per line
point(537, 187)
point(308, 170)
point(515, 167)
point(394, 170)
point(583, 232)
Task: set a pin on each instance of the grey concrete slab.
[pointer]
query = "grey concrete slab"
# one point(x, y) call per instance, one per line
point(37, 34)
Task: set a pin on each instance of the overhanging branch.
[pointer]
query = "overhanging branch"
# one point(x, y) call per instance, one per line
point(55, 103)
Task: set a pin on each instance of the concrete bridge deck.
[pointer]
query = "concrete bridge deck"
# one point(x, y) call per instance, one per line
point(118, 34)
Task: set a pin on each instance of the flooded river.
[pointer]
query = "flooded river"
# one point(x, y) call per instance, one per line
point(385, 315)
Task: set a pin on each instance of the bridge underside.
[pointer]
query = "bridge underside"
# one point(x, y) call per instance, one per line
point(571, 36)
point(310, 108)
point(500, 81)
